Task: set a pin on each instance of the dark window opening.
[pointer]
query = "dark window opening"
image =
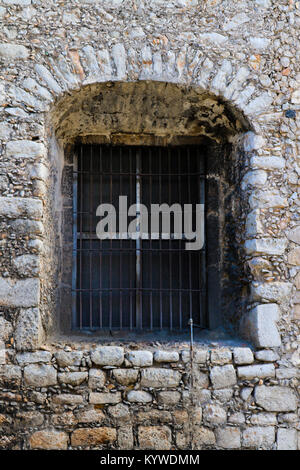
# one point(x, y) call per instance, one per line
point(144, 284)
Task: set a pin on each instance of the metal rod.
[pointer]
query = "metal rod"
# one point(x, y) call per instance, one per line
point(138, 242)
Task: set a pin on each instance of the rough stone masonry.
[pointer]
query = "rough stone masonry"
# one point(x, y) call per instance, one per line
point(234, 66)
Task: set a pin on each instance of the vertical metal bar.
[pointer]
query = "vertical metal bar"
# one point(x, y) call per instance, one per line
point(189, 254)
point(151, 253)
point(138, 242)
point(81, 227)
point(180, 244)
point(121, 249)
point(110, 253)
point(100, 247)
point(130, 245)
point(170, 246)
point(160, 250)
point(91, 241)
point(74, 257)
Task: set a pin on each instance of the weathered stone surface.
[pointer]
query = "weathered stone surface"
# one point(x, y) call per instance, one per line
point(66, 359)
point(154, 437)
point(139, 396)
point(243, 356)
point(140, 358)
point(6, 329)
point(266, 246)
point(72, 378)
point(25, 149)
point(203, 437)
point(13, 51)
point(228, 437)
point(266, 355)
point(27, 265)
point(10, 374)
point(200, 356)
point(68, 399)
point(259, 437)
point(33, 357)
point(29, 332)
point(29, 419)
point(90, 437)
point(259, 325)
point(255, 178)
point(287, 439)
point(214, 414)
point(125, 376)
point(49, 440)
point(287, 373)
point(125, 437)
point(19, 293)
point(160, 378)
point(237, 418)
point(166, 356)
point(260, 371)
point(97, 379)
point(105, 398)
point(119, 412)
point(275, 398)
point(169, 397)
point(40, 375)
point(268, 163)
point(220, 356)
point(90, 416)
point(294, 235)
point(108, 356)
point(223, 376)
point(294, 257)
point(264, 419)
point(271, 292)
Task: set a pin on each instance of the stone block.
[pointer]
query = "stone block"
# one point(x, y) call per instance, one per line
point(262, 371)
point(154, 437)
point(49, 440)
point(160, 378)
point(228, 437)
point(29, 333)
point(243, 356)
point(275, 398)
point(93, 437)
point(140, 358)
point(223, 376)
point(125, 376)
point(287, 439)
point(259, 437)
point(108, 356)
point(259, 326)
point(40, 375)
point(139, 396)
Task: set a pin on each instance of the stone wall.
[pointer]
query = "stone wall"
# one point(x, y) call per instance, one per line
point(111, 397)
point(235, 63)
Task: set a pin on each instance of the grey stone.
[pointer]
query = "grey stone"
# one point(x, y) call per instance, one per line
point(108, 356)
point(287, 439)
point(260, 104)
point(72, 378)
point(17, 2)
point(253, 141)
point(243, 356)
point(33, 357)
point(262, 199)
point(223, 376)
point(27, 265)
point(287, 373)
point(160, 378)
point(220, 356)
point(266, 246)
point(27, 228)
point(10, 373)
point(275, 398)
point(237, 418)
point(6, 329)
point(29, 333)
point(31, 85)
point(268, 163)
point(259, 44)
point(120, 412)
point(203, 437)
point(140, 358)
point(97, 379)
point(271, 291)
point(223, 395)
point(214, 38)
point(169, 397)
point(264, 419)
point(266, 355)
point(228, 438)
point(119, 57)
point(259, 437)
point(40, 375)
point(139, 396)
point(294, 235)
point(166, 356)
point(214, 414)
point(105, 398)
point(236, 21)
point(71, 358)
point(200, 356)
point(5, 130)
point(15, 207)
point(262, 371)
point(254, 178)
point(25, 149)
point(125, 376)
point(44, 73)
point(13, 51)
point(259, 325)
point(246, 393)
point(68, 399)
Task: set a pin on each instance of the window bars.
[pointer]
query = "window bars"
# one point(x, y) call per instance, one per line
point(151, 282)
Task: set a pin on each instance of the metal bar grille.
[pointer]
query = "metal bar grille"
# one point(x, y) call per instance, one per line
point(142, 284)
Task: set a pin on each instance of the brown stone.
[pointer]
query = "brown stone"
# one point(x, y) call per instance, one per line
point(294, 257)
point(154, 437)
point(296, 312)
point(90, 437)
point(91, 416)
point(155, 416)
point(180, 416)
point(49, 440)
point(125, 437)
point(64, 419)
point(297, 281)
point(203, 437)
